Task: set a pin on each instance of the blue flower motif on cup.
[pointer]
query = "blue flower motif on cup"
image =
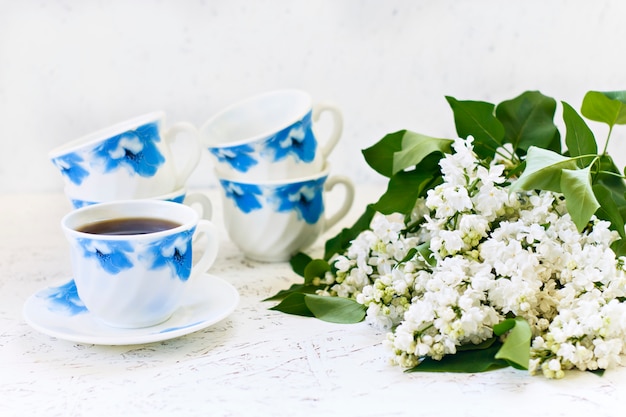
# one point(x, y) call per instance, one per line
point(65, 299)
point(111, 255)
point(172, 252)
point(134, 150)
point(246, 196)
point(296, 140)
point(305, 198)
point(72, 166)
point(241, 157)
point(178, 199)
point(80, 203)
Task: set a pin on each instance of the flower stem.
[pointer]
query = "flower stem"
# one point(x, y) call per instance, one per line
point(606, 143)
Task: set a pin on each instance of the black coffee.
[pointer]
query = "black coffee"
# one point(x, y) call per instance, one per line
point(128, 226)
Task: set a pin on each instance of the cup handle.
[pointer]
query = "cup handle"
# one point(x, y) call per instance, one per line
point(335, 134)
point(207, 229)
point(193, 148)
point(200, 200)
point(347, 200)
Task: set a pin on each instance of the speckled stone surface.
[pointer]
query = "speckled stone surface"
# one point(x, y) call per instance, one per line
point(256, 362)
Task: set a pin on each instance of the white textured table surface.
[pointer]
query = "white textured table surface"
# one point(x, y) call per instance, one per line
point(256, 362)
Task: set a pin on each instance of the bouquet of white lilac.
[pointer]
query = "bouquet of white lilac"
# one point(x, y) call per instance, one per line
point(490, 250)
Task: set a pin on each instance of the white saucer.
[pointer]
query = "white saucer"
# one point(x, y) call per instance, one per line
point(57, 311)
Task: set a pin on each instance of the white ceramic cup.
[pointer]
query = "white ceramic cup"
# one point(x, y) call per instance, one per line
point(132, 159)
point(270, 221)
point(197, 200)
point(137, 280)
point(271, 136)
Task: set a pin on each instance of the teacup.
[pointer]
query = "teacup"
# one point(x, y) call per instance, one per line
point(197, 200)
point(270, 136)
point(129, 160)
point(131, 259)
point(270, 221)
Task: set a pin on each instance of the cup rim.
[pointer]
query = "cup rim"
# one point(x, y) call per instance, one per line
point(179, 192)
point(92, 138)
point(107, 211)
point(324, 172)
point(246, 102)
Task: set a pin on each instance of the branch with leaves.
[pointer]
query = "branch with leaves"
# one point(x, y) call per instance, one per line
point(521, 133)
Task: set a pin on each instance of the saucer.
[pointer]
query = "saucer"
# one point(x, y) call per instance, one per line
point(58, 311)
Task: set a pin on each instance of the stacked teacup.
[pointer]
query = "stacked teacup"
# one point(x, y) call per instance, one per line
point(273, 171)
point(134, 159)
point(133, 246)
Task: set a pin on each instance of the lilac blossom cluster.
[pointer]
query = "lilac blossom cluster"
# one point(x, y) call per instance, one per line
point(485, 254)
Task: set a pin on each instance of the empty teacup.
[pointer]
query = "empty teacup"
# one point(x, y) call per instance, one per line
point(270, 136)
point(272, 220)
point(197, 200)
point(132, 159)
point(131, 259)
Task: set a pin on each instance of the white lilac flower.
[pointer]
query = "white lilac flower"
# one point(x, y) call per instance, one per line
point(494, 253)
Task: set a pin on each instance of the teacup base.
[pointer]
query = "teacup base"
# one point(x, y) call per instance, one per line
point(137, 324)
point(272, 258)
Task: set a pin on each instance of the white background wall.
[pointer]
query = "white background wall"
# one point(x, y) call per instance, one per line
point(70, 67)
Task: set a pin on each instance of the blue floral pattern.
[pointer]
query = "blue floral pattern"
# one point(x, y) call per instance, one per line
point(112, 255)
point(64, 299)
point(305, 198)
point(173, 329)
point(82, 203)
point(72, 166)
point(134, 150)
point(246, 196)
point(172, 252)
point(296, 140)
point(241, 157)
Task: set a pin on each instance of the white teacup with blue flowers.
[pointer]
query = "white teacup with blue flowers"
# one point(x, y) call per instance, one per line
point(132, 259)
point(132, 159)
point(270, 221)
point(271, 136)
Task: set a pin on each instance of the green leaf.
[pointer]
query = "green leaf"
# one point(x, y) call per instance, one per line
point(416, 147)
point(482, 345)
point(528, 121)
point(605, 107)
point(317, 268)
point(579, 138)
point(609, 209)
point(466, 360)
point(341, 241)
point(619, 247)
point(409, 255)
point(580, 200)
point(404, 188)
point(425, 252)
point(335, 309)
point(543, 170)
point(516, 347)
point(295, 288)
point(503, 327)
point(380, 155)
point(294, 304)
point(298, 262)
point(476, 119)
point(611, 177)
